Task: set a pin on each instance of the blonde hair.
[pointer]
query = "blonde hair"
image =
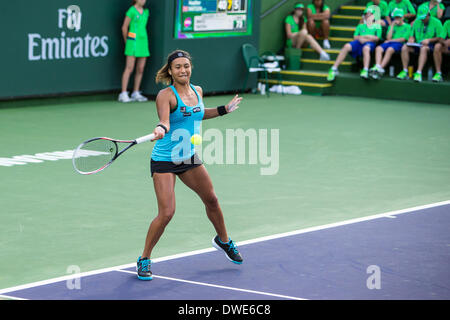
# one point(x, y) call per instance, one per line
point(163, 76)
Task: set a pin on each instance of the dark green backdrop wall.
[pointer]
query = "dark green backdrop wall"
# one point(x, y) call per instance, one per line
point(41, 56)
point(36, 58)
point(218, 62)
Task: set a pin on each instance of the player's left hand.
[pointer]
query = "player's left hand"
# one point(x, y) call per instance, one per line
point(233, 104)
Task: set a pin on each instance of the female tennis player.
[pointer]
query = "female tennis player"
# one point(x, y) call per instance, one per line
point(134, 31)
point(180, 110)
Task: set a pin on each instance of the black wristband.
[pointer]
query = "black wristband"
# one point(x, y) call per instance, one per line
point(163, 126)
point(222, 110)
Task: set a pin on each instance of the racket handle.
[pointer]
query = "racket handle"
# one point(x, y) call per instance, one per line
point(145, 138)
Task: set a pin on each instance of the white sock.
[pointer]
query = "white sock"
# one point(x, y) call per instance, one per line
point(419, 72)
point(334, 68)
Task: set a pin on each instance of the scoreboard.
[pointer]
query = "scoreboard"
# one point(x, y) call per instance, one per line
point(212, 18)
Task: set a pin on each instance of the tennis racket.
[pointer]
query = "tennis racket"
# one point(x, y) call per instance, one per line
point(97, 154)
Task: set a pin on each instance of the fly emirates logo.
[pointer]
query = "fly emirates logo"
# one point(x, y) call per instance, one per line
point(67, 47)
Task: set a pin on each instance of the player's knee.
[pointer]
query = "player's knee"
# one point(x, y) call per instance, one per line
point(325, 23)
point(211, 201)
point(347, 47)
point(166, 214)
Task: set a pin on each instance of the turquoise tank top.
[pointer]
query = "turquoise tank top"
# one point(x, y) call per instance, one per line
point(185, 121)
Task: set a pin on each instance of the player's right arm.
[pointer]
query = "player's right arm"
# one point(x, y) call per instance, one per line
point(164, 100)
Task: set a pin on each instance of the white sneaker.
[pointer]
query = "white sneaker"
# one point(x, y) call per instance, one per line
point(326, 44)
point(137, 96)
point(324, 56)
point(123, 97)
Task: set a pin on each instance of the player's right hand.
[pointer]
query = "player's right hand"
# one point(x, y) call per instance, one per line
point(159, 133)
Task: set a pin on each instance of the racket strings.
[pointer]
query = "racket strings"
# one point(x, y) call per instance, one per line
point(94, 155)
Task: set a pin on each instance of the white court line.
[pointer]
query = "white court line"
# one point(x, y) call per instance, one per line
point(220, 287)
point(195, 252)
point(2, 296)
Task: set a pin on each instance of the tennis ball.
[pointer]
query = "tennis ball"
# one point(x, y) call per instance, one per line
point(196, 139)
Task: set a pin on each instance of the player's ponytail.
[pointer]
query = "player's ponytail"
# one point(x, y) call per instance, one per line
point(163, 76)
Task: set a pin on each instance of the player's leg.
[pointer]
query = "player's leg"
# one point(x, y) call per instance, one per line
point(164, 184)
point(200, 182)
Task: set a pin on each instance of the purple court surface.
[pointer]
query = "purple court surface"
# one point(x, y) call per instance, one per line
point(398, 255)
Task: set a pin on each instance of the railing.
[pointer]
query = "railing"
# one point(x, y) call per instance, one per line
point(272, 9)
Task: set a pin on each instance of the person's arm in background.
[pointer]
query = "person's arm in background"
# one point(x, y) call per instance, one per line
point(322, 15)
point(411, 11)
point(440, 10)
point(288, 30)
point(125, 25)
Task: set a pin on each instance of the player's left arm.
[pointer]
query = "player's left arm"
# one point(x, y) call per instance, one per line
point(211, 113)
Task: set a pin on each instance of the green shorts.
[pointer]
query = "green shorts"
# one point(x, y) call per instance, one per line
point(137, 47)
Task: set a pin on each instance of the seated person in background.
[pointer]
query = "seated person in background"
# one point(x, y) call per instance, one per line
point(398, 32)
point(426, 31)
point(445, 37)
point(384, 11)
point(318, 16)
point(297, 33)
point(365, 38)
point(406, 6)
point(441, 47)
point(435, 7)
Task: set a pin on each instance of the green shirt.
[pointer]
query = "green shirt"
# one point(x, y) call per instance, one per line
point(446, 30)
point(138, 23)
point(313, 11)
point(433, 11)
point(294, 25)
point(384, 8)
point(421, 32)
point(364, 30)
point(294, 28)
point(405, 5)
point(402, 31)
point(313, 8)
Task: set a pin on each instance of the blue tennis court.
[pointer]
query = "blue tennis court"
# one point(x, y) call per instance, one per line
point(401, 254)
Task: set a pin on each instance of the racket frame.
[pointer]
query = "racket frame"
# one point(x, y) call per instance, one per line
point(130, 142)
